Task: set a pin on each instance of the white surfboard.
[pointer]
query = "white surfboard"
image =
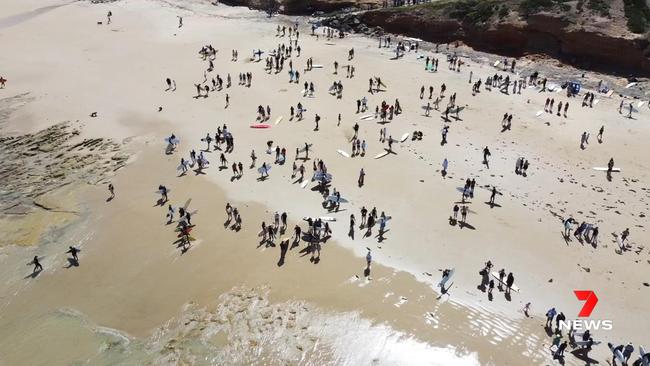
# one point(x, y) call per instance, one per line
point(367, 117)
point(334, 199)
point(343, 153)
point(304, 184)
point(328, 218)
point(583, 343)
point(604, 169)
point(640, 104)
point(644, 359)
point(446, 279)
point(609, 93)
point(404, 137)
point(381, 154)
point(596, 101)
point(630, 85)
point(496, 276)
point(618, 354)
point(539, 113)
point(278, 120)
point(496, 63)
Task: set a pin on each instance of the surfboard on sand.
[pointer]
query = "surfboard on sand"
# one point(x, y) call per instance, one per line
point(640, 104)
point(446, 279)
point(334, 199)
point(381, 154)
point(596, 101)
point(260, 125)
point(630, 85)
point(645, 358)
point(367, 117)
point(496, 276)
point(618, 354)
point(604, 169)
point(278, 120)
point(496, 63)
point(343, 153)
point(539, 113)
point(404, 137)
point(317, 66)
point(583, 343)
point(323, 218)
point(304, 184)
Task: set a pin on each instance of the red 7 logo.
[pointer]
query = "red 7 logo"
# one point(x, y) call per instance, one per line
point(590, 299)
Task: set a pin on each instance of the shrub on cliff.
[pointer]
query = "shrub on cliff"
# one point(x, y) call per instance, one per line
point(638, 15)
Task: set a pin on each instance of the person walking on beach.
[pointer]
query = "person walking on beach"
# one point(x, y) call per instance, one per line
point(362, 175)
point(352, 223)
point(486, 154)
point(108, 17)
point(111, 190)
point(73, 252)
point(456, 209)
point(37, 265)
point(493, 195)
point(463, 214)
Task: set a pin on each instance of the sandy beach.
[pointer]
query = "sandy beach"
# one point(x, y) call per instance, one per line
point(85, 104)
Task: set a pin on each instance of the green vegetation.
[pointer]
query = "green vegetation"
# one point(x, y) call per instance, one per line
point(473, 11)
point(638, 15)
point(533, 6)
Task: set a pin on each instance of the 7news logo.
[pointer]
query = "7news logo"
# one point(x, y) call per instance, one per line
point(590, 299)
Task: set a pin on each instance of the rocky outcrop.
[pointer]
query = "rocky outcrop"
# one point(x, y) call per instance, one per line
point(549, 34)
point(539, 34)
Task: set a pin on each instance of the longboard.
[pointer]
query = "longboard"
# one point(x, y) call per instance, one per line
point(367, 117)
point(343, 153)
point(304, 184)
point(261, 125)
point(604, 169)
point(496, 276)
point(630, 85)
point(446, 279)
point(277, 121)
point(640, 104)
point(381, 154)
point(539, 113)
point(404, 137)
point(316, 66)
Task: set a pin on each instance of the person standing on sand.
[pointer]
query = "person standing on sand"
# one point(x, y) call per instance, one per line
point(108, 17)
point(351, 230)
point(550, 314)
point(111, 190)
point(509, 282)
point(180, 21)
point(368, 260)
point(526, 310)
point(2, 82)
point(362, 175)
point(486, 153)
point(456, 209)
point(463, 214)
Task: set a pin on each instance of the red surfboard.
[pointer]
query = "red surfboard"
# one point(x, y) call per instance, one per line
point(261, 125)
